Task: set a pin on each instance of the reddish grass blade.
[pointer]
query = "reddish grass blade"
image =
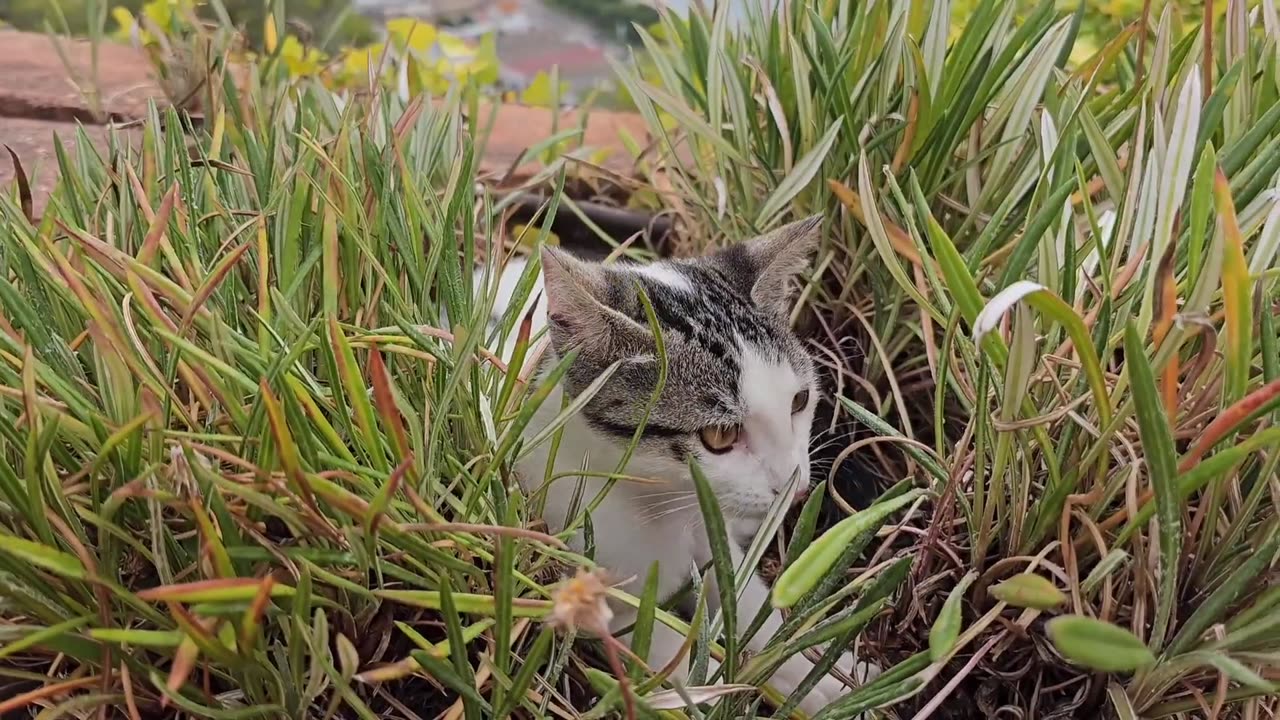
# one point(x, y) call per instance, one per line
point(385, 401)
point(45, 692)
point(151, 241)
point(1166, 307)
point(1235, 293)
point(251, 625)
point(184, 661)
point(897, 236)
point(216, 276)
point(1228, 420)
point(24, 187)
point(212, 591)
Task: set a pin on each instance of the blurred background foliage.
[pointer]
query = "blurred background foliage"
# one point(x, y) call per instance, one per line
point(330, 39)
point(333, 19)
point(617, 20)
point(1102, 20)
point(614, 18)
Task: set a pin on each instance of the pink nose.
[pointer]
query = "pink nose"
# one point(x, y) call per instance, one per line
point(800, 495)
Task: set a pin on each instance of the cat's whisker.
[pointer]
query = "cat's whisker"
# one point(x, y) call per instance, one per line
point(670, 504)
point(666, 493)
point(832, 442)
point(668, 501)
point(668, 511)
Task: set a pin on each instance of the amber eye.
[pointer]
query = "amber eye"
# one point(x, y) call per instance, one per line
point(800, 401)
point(719, 438)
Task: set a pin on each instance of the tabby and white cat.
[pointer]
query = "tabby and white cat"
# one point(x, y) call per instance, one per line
point(739, 397)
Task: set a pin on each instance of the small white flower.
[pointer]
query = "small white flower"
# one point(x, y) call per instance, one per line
point(582, 602)
point(989, 318)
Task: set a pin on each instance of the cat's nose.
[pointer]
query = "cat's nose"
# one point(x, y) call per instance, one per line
point(800, 495)
point(801, 490)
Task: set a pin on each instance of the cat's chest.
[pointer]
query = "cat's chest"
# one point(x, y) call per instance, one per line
point(679, 546)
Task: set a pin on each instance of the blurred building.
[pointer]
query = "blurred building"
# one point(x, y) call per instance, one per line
point(530, 36)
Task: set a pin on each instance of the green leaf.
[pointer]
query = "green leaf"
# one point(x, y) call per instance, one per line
point(800, 177)
point(1162, 466)
point(1214, 608)
point(162, 639)
point(1200, 205)
point(722, 562)
point(40, 636)
point(1098, 645)
point(448, 676)
point(804, 574)
point(1238, 672)
point(466, 602)
point(946, 629)
point(642, 633)
point(531, 662)
point(52, 559)
point(849, 622)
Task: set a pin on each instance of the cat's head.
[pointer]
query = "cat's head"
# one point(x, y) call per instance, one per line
point(740, 389)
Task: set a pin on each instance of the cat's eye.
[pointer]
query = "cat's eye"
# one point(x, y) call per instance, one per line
point(719, 438)
point(800, 401)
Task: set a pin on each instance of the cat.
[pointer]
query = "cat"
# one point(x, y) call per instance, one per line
point(739, 398)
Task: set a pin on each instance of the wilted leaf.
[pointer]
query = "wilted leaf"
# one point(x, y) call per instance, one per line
point(699, 694)
point(24, 187)
point(1027, 590)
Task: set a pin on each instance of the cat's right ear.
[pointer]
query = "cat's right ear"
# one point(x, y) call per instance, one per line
point(578, 299)
point(767, 265)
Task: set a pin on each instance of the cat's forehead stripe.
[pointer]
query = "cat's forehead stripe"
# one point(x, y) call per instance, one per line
point(701, 304)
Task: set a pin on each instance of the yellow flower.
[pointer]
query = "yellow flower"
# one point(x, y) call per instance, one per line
point(412, 34)
point(300, 60)
point(269, 35)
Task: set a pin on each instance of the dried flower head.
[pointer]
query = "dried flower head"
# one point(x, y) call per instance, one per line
point(180, 475)
point(582, 602)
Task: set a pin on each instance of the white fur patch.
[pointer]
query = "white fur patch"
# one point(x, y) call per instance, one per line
point(666, 275)
point(508, 282)
point(766, 387)
point(776, 438)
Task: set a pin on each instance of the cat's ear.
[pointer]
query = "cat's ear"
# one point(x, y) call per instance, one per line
point(767, 264)
point(579, 295)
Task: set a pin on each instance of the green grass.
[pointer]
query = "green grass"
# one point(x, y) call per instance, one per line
point(249, 471)
point(966, 182)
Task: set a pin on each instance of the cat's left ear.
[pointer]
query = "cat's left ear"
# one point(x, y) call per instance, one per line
point(771, 261)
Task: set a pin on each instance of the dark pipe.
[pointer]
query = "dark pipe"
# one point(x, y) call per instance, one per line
point(619, 224)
